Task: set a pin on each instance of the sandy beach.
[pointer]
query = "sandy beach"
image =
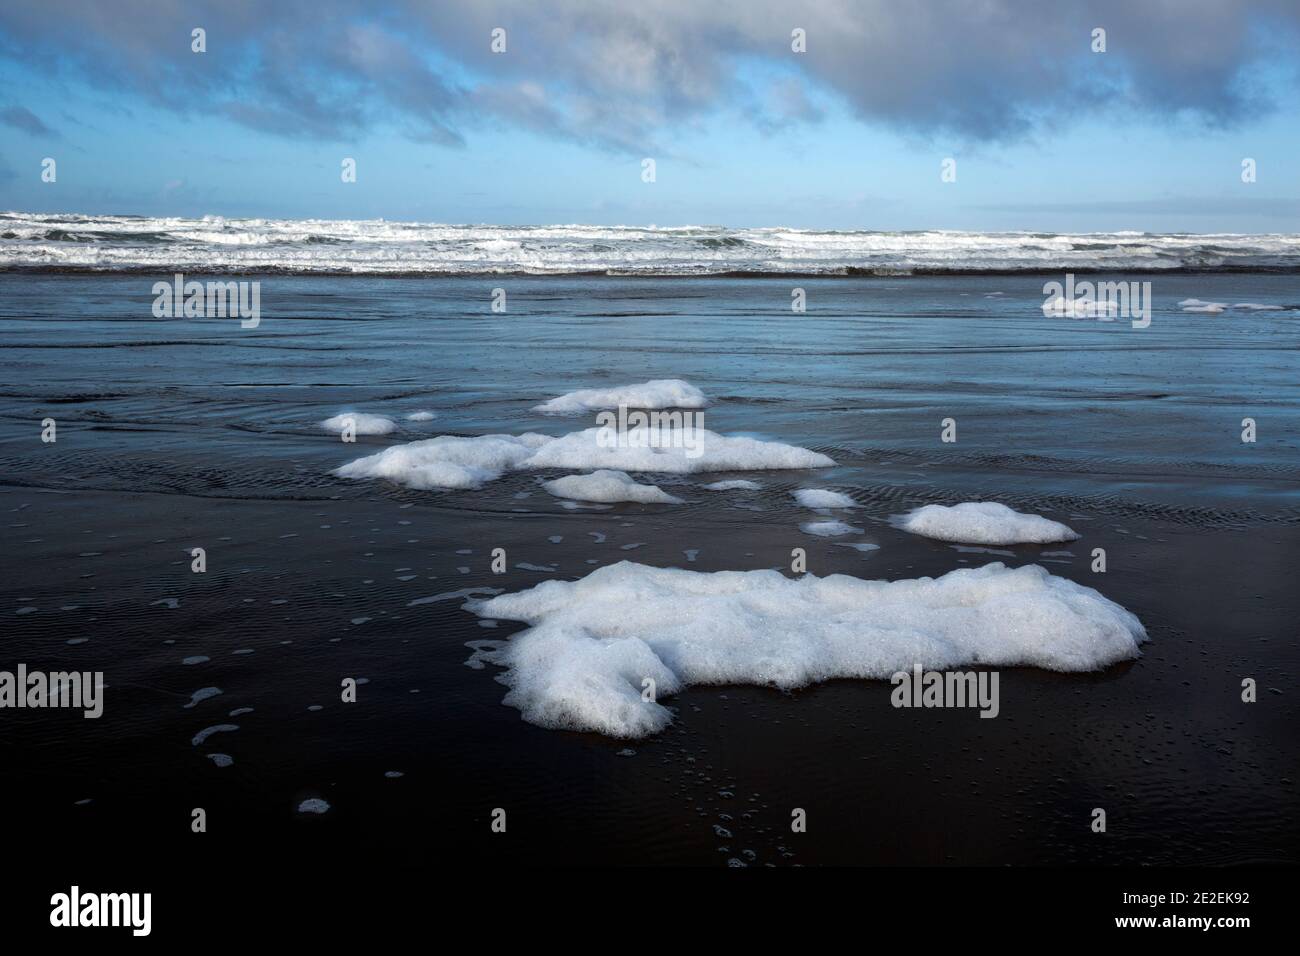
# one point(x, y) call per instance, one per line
point(227, 683)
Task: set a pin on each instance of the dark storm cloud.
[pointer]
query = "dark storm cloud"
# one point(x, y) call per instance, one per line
point(629, 75)
point(21, 118)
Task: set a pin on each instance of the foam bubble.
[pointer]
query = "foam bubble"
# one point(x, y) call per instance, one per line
point(658, 393)
point(362, 424)
point(821, 498)
point(982, 522)
point(608, 486)
point(592, 642)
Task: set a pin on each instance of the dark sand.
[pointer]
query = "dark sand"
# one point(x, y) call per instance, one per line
point(160, 455)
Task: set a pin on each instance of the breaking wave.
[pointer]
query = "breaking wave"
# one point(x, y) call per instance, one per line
point(214, 244)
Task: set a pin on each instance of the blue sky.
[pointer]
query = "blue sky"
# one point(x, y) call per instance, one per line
point(746, 134)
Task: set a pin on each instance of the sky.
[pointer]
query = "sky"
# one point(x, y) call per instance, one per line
point(1045, 132)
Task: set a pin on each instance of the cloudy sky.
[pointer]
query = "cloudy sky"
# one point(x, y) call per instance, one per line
point(1046, 133)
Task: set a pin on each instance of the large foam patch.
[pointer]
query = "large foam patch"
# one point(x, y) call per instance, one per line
point(593, 643)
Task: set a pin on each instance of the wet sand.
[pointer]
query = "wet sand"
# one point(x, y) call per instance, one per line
point(1187, 772)
point(310, 580)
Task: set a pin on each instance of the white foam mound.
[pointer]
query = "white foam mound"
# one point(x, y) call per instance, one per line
point(608, 486)
point(736, 484)
point(591, 643)
point(447, 461)
point(821, 498)
point(362, 424)
point(658, 393)
point(421, 416)
point(671, 450)
point(451, 462)
point(983, 522)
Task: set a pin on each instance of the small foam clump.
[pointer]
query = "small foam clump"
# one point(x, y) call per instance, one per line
point(202, 694)
point(421, 416)
point(451, 462)
point(828, 529)
point(658, 393)
point(1080, 308)
point(447, 461)
point(1214, 308)
point(1197, 305)
point(735, 484)
point(207, 732)
point(362, 424)
point(592, 642)
point(821, 498)
point(983, 522)
point(608, 486)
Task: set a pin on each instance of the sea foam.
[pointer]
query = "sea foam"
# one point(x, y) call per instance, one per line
point(447, 461)
point(821, 498)
point(659, 450)
point(452, 462)
point(1080, 308)
point(1197, 305)
point(608, 486)
point(983, 522)
point(362, 424)
point(828, 529)
point(658, 393)
point(592, 643)
point(1214, 308)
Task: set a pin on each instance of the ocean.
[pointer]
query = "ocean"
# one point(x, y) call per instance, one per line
point(223, 688)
